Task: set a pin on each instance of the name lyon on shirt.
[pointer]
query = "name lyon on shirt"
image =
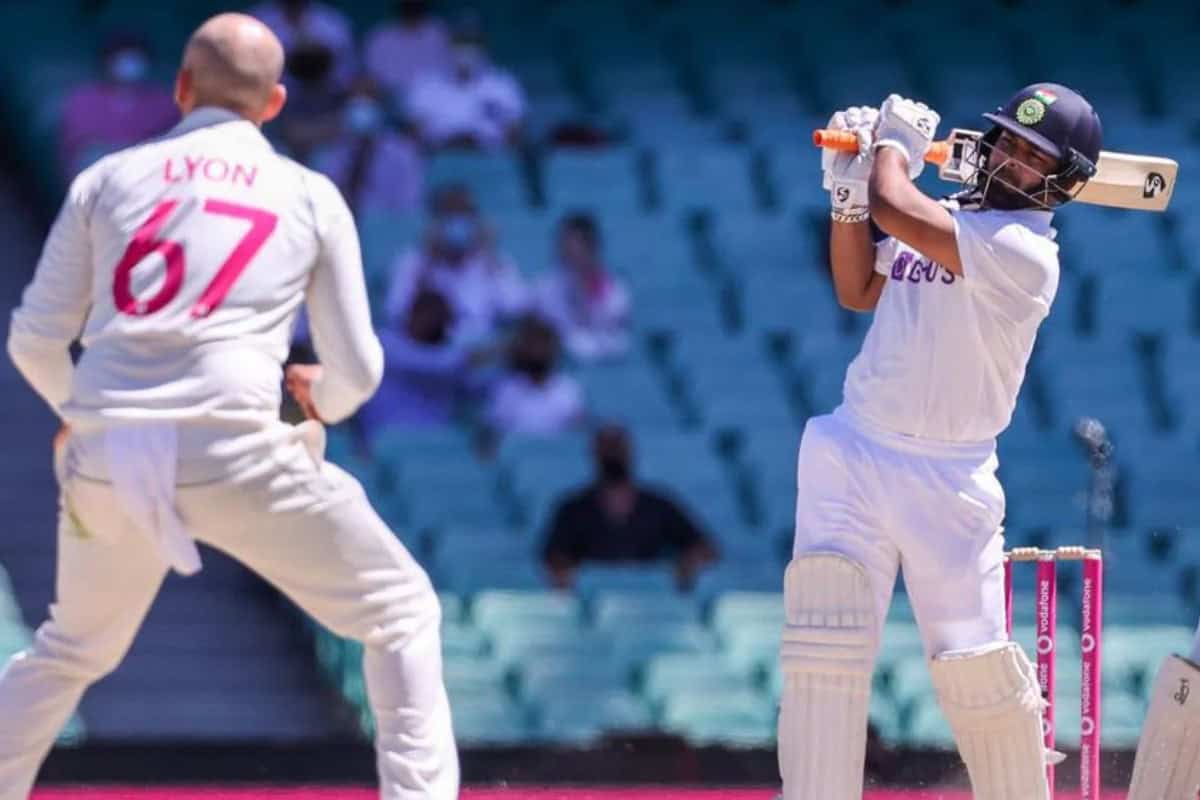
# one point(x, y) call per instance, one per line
point(907, 266)
point(217, 170)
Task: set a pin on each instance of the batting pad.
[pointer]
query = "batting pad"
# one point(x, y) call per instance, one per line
point(829, 643)
point(991, 699)
point(1167, 766)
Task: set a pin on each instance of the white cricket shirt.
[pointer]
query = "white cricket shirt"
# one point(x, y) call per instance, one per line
point(183, 261)
point(945, 355)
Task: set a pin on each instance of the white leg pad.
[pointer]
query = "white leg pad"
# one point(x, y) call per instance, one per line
point(1167, 766)
point(991, 699)
point(828, 651)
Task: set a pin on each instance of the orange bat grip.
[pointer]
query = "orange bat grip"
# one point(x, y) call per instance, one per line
point(847, 142)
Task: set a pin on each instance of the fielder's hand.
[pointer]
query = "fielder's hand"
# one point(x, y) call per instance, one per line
point(907, 126)
point(299, 380)
point(845, 174)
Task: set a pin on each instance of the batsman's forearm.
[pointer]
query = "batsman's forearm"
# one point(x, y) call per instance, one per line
point(852, 258)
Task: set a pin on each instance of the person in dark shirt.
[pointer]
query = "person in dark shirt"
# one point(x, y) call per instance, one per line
point(617, 520)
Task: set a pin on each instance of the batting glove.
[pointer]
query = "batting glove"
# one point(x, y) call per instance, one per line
point(907, 126)
point(845, 175)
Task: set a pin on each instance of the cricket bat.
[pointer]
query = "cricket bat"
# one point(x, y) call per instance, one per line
point(1122, 180)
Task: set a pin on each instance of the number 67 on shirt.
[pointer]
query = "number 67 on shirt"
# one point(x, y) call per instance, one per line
point(146, 241)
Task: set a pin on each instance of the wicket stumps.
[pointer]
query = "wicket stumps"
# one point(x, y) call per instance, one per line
point(1046, 610)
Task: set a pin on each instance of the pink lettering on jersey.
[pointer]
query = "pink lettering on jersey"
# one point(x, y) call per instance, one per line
point(192, 165)
point(216, 170)
point(244, 175)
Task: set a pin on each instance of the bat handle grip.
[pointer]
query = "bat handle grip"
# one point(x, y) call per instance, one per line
point(847, 142)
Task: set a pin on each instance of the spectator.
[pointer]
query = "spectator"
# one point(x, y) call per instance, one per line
point(587, 303)
point(617, 520)
point(313, 114)
point(426, 376)
point(377, 168)
point(533, 397)
point(122, 108)
point(400, 51)
point(297, 22)
point(459, 259)
point(475, 104)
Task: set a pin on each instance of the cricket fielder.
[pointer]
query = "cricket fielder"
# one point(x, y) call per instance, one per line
point(902, 473)
point(184, 261)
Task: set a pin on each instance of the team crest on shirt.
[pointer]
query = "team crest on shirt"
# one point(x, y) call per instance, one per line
point(908, 266)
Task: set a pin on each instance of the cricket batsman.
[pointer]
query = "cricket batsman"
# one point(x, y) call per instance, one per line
point(903, 472)
point(181, 264)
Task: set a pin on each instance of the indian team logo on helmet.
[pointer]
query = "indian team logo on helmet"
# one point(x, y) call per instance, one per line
point(1031, 111)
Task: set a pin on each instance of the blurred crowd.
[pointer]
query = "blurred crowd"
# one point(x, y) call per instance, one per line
point(471, 337)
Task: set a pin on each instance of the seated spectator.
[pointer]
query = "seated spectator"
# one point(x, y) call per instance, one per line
point(426, 376)
point(377, 168)
point(474, 104)
point(532, 396)
point(401, 50)
point(586, 302)
point(121, 109)
point(459, 258)
point(616, 520)
point(312, 116)
point(303, 21)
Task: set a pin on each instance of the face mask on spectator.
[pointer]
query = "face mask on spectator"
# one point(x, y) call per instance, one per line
point(363, 116)
point(469, 59)
point(128, 66)
point(614, 469)
point(535, 366)
point(310, 63)
point(458, 231)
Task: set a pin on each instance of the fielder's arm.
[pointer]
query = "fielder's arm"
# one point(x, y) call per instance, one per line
point(339, 314)
point(902, 210)
point(55, 305)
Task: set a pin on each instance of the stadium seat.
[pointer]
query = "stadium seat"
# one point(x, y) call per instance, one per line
point(495, 610)
point(473, 676)
point(1132, 655)
point(593, 578)
point(633, 647)
point(568, 675)
point(515, 647)
point(733, 609)
point(468, 577)
point(617, 610)
point(490, 720)
point(583, 715)
point(927, 726)
point(737, 717)
point(462, 640)
point(666, 674)
point(752, 646)
point(738, 577)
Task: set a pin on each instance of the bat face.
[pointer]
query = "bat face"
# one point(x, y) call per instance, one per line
point(1122, 180)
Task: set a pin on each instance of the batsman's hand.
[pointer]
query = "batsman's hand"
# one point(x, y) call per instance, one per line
point(845, 175)
point(299, 380)
point(907, 126)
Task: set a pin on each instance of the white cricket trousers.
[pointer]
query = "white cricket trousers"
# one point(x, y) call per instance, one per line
point(892, 502)
point(299, 522)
